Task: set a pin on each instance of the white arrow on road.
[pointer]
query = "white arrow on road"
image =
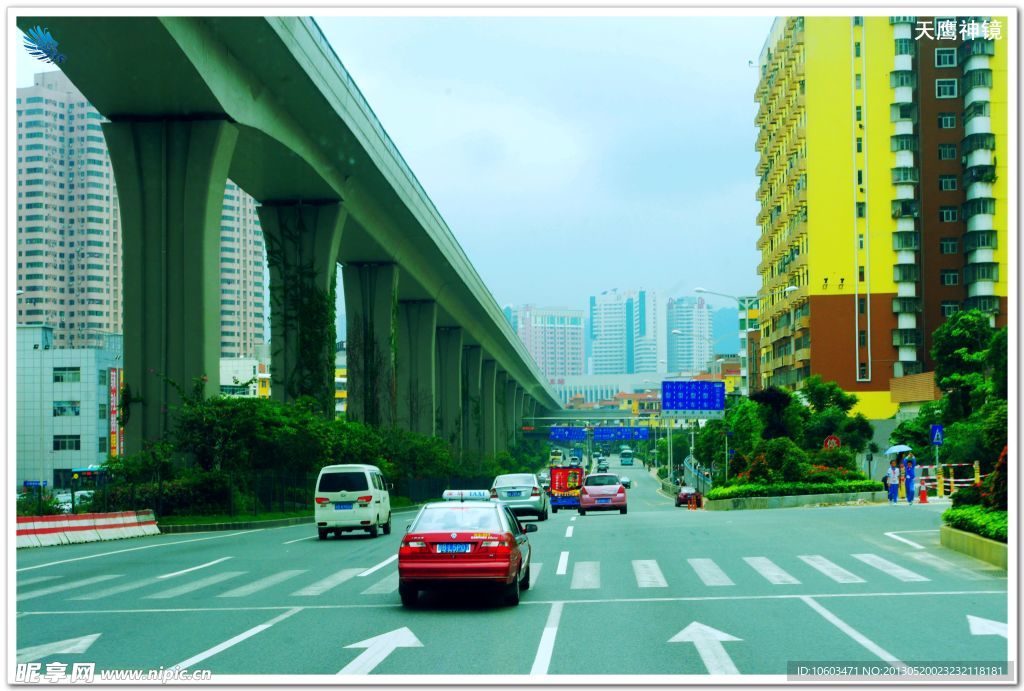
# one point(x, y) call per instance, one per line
point(708, 642)
point(378, 648)
point(986, 627)
point(71, 645)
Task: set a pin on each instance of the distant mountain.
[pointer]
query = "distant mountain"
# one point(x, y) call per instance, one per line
point(725, 328)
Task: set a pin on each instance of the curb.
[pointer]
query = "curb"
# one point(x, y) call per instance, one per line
point(248, 525)
point(983, 548)
point(791, 501)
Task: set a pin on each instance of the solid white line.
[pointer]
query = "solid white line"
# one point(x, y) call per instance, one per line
point(262, 583)
point(193, 586)
point(568, 531)
point(542, 659)
point(116, 590)
point(66, 586)
point(831, 569)
point(913, 544)
point(894, 570)
point(38, 579)
point(322, 586)
point(194, 568)
point(772, 572)
point(381, 565)
point(237, 639)
point(388, 584)
point(563, 564)
point(308, 537)
point(648, 574)
point(134, 549)
point(870, 645)
point(586, 575)
point(709, 572)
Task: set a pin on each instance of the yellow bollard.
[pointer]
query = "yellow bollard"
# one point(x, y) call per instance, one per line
point(952, 481)
point(977, 472)
point(941, 483)
point(901, 493)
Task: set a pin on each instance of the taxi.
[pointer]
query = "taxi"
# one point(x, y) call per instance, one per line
point(462, 540)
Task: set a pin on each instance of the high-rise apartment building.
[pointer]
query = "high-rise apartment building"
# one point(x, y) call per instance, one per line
point(554, 337)
point(69, 263)
point(690, 343)
point(883, 193)
point(627, 331)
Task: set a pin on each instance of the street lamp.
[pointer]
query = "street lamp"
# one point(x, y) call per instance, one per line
point(743, 306)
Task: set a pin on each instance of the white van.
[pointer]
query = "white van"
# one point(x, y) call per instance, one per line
point(351, 497)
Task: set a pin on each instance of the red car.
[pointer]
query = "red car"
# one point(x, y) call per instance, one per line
point(602, 492)
point(686, 493)
point(459, 542)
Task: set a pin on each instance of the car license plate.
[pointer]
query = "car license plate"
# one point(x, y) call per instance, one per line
point(513, 493)
point(452, 548)
point(603, 501)
point(342, 507)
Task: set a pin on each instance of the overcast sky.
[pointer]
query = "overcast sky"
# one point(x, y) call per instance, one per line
point(573, 155)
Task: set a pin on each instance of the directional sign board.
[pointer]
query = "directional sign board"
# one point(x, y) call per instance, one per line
point(568, 434)
point(937, 434)
point(695, 399)
point(620, 433)
point(35, 483)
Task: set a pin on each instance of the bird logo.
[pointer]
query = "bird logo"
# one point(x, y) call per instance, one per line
point(40, 44)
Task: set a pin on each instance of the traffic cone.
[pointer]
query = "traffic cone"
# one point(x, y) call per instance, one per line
point(924, 494)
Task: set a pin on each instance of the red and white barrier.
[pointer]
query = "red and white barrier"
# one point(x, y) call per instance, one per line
point(44, 531)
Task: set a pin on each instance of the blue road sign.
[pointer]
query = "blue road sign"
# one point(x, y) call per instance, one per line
point(35, 483)
point(701, 399)
point(568, 434)
point(620, 433)
point(937, 435)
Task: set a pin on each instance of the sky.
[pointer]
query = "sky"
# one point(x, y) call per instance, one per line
point(573, 155)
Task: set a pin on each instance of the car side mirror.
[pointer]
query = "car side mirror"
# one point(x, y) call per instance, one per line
point(530, 528)
point(390, 486)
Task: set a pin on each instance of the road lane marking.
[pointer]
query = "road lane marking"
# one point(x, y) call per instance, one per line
point(648, 574)
point(771, 571)
point(388, 584)
point(135, 549)
point(948, 567)
point(886, 566)
point(194, 568)
point(381, 565)
point(187, 664)
point(39, 579)
point(853, 633)
point(709, 572)
point(586, 575)
point(193, 586)
point(573, 518)
point(262, 584)
point(542, 660)
point(322, 586)
point(65, 586)
point(568, 531)
point(116, 590)
point(831, 569)
point(535, 572)
point(563, 564)
point(904, 540)
point(308, 537)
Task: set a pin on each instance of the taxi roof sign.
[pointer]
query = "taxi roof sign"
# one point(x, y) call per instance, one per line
point(464, 494)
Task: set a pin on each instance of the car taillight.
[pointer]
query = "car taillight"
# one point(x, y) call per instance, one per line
point(535, 492)
point(583, 490)
point(364, 499)
point(322, 500)
point(494, 493)
point(412, 547)
point(620, 490)
point(502, 546)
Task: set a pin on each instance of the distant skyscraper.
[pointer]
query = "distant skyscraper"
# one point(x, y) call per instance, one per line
point(554, 337)
point(626, 330)
point(69, 236)
point(689, 350)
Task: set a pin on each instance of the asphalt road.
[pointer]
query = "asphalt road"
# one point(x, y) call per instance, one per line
point(661, 591)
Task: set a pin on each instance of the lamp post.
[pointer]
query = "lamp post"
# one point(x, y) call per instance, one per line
point(787, 292)
point(743, 306)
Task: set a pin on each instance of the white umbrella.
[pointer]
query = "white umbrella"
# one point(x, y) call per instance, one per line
point(899, 448)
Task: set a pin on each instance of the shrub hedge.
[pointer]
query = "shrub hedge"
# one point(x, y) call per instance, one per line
point(978, 520)
point(780, 489)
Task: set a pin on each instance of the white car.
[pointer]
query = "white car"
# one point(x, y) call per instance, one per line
point(351, 497)
point(522, 493)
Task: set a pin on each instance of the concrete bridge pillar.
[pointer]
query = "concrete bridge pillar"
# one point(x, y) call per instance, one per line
point(449, 389)
point(511, 388)
point(302, 254)
point(502, 410)
point(472, 401)
point(517, 412)
point(170, 177)
point(416, 358)
point(489, 407)
point(371, 306)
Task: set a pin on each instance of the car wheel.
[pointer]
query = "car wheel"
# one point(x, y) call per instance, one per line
point(525, 585)
point(678, 504)
point(321, 533)
point(554, 509)
point(512, 592)
point(543, 515)
point(387, 526)
point(409, 594)
point(583, 512)
point(373, 530)
point(622, 510)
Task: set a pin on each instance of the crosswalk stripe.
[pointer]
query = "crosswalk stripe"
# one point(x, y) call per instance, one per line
point(586, 575)
point(66, 586)
point(886, 566)
point(946, 566)
point(193, 586)
point(262, 583)
point(388, 584)
point(707, 570)
point(831, 569)
point(322, 586)
point(32, 581)
point(563, 563)
point(116, 590)
point(772, 572)
point(648, 575)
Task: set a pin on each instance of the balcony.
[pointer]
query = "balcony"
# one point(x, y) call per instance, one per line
point(802, 355)
point(979, 173)
point(905, 209)
point(980, 240)
point(906, 241)
point(906, 273)
point(907, 337)
point(906, 305)
point(985, 303)
point(905, 175)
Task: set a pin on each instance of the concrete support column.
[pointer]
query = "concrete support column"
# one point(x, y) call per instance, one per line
point(302, 255)
point(416, 359)
point(508, 411)
point(170, 177)
point(517, 412)
point(489, 407)
point(472, 413)
point(449, 389)
point(371, 304)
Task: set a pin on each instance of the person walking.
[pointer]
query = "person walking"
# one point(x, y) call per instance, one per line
point(893, 475)
point(909, 473)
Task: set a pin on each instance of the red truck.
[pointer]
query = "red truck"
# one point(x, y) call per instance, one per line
point(565, 488)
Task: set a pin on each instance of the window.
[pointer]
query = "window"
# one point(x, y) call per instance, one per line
point(860, 274)
point(102, 445)
point(103, 411)
point(949, 308)
point(904, 46)
point(948, 214)
point(860, 144)
point(945, 57)
point(860, 177)
point(947, 121)
point(945, 88)
point(862, 371)
point(67, 442)
point(856, 49)
point(861, 209)
point(858, 21)
point(950, 277)
point(856, 81)
point(67, 408)
point(859, 112)
point(862, 305)
point(66, 375)
point(947, 152)
point(947, 183)
point(949, 246)
point(860, 241)
point(862, 338)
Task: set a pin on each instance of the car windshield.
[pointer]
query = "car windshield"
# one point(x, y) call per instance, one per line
point(593, 480)
point(438, 518)
point(351, 481)
point(513, 480)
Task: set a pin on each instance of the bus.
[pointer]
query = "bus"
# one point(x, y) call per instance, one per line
point(626, 456)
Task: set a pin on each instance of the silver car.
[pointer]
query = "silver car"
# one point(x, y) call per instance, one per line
point(522, 493)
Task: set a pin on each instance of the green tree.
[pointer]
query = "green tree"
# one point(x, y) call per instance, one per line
point(960, 352)
point(782, 453)
point(781, 413)
point(915, 432)
point(747, 427)
point(998, 362)
point(821, 395)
